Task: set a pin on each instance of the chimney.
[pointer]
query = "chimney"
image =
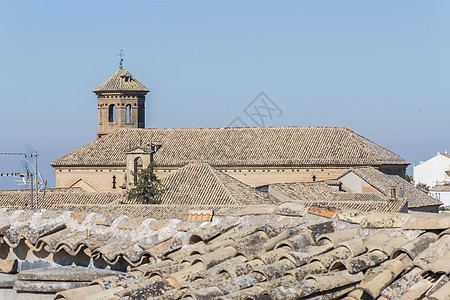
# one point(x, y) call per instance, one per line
point(393, 193)
point(445, 152)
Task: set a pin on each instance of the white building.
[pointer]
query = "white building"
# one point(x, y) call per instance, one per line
point(441, 193)
point(434, 171)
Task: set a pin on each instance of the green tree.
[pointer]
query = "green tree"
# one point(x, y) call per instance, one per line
point(148, 189)
point(409, 178)
point(423, 186)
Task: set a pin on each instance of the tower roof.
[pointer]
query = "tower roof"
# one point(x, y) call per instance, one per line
point(121, 81)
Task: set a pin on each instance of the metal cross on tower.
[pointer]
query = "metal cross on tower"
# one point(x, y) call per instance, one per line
point(121, 55)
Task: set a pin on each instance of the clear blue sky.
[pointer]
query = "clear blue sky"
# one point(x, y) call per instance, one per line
point(380, 68)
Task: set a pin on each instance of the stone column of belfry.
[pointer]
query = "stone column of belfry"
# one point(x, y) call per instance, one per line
point(120, 90)
point(121, 118)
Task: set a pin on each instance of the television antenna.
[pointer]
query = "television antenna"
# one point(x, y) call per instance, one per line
point(37, 182)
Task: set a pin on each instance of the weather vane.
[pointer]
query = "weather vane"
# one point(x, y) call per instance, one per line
point(121, 55)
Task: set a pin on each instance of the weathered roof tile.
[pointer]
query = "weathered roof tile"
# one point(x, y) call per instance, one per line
point(121, 81)
point(238, 147)
point(262, 255)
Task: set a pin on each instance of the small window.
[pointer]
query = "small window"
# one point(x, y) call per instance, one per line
point(128, 113)
point(112, 113)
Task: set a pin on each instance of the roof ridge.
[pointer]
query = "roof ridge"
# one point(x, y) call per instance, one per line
point(238, 128)
point(213, 171)
point(214, 176)
point(292, 146)
point(352, 134)
point(377, 187)
point(116, 83)
point(91, 143)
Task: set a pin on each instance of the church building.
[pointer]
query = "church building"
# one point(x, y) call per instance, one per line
point(254, 155)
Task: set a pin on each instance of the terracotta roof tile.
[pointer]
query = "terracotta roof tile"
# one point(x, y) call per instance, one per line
point(327, 212)
point(383, 183)
point(320, 193)
point(352, 254)
point(121, 81)
point(201, 184)
point(237, 147)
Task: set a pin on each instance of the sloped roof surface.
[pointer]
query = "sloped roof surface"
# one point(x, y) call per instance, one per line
point(276, 252)
point(383, 183)
point(306, 191)
point(121, 81)
point(221, 147)
point(441, 188)
point(201, 184)
point(315, 193)
point(20, 199)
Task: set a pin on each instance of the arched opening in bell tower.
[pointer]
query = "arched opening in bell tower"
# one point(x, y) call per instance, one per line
point(112, 113)
point(128, 113)
point(137, 166)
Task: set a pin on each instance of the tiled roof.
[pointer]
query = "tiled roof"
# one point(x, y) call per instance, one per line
point(366, 205)
point(237, 147)
point(201, 184)
point(121, 81)
point(440, 188)
point(192, 187)
point(383, 183)
point(306, 191)
point(320, 193)
point(106, 203)
point(273, 252)
point(21, 199)
point(155, 211)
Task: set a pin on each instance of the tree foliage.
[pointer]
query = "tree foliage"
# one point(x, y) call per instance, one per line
point(409, 178)
point(423, 186)
point(148, 189)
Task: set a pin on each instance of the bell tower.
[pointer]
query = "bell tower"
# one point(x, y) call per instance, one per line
point(121, 102)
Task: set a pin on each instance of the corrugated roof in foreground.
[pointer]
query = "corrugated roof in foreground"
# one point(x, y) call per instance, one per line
point(238, 147)
point(269, 252)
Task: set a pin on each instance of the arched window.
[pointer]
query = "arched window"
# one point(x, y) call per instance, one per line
point(112, 113)
point(128, 113)
point(137, 167)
